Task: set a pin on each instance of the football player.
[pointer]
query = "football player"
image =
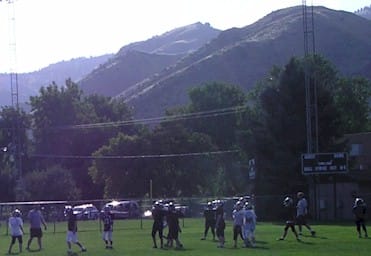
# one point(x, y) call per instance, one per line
point(288, 203)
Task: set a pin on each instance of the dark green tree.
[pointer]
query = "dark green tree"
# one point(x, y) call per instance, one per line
point(186, 168)
point(54, 183)
point(278, 123)
point(13, 151)
point(119, 167)
point(69, 127)
point(352, 99)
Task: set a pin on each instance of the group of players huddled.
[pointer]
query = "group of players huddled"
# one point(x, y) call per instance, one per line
point(244, 221)
point(164, 214)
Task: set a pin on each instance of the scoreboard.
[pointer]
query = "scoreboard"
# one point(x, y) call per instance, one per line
point(324, 163)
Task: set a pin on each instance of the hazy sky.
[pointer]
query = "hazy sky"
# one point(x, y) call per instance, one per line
point(49, 31)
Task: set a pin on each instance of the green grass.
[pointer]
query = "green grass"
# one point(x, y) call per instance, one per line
point(131, 239)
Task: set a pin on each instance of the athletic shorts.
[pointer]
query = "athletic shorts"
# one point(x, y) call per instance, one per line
point(71, 237)
point(36, 232)
point(301, 220)
point(107, 235)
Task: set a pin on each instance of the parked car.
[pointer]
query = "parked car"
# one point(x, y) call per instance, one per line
point(124, 209)
point(183, 209)
point(86, 212)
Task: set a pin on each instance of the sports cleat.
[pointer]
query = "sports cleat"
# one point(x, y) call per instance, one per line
point(313, 233)
point(83, 250)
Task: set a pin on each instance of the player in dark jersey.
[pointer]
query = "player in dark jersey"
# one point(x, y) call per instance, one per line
point(172, 219)
point(107, 219)
point(220, 223)
point(158, 215)
point(359, 212)
point(210, 219)
point(72, 232)
point(290, 218)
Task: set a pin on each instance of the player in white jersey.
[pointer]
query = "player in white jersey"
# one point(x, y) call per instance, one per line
point(301, 214)
point(249, 225)
point(238, 215)
point(16, 230)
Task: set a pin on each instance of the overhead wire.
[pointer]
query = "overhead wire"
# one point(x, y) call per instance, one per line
point(170, 118)
point(207, 153)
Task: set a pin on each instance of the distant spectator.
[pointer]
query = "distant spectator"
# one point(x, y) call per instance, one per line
point(359, 212)
point(16, 230)
point(36, 219)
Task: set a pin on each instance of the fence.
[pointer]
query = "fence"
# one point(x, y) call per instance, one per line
point(268, 208)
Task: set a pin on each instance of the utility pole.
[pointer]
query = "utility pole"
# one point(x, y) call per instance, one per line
point(16, 144)
point(309, 80)
point(310, 96)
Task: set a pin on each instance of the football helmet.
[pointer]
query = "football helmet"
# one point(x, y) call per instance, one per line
point(248, 206)
point(288, 201)
point(359, 202)
point(17, 213)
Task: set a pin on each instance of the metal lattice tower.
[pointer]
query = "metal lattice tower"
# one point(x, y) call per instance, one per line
point(13, 54)
point(309, 79)
point(16, 144)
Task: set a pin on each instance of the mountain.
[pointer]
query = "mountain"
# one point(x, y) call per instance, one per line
point(364, 12)
point(30, 83)
point(141, 60)
point(242, 56)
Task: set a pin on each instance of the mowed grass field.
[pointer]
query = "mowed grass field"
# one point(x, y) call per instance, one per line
point(132, 237)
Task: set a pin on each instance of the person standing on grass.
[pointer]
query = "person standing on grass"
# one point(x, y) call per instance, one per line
point(107, 219)
point(209, 214)
point(359, 212)
point(16, 230)
point(249, 225)
point(302, 213)
point(172, 219)
point(238, 215)
point(72, 232)
point(220, 224)
point(158, 215)
point(288, 203)
point(36, 219)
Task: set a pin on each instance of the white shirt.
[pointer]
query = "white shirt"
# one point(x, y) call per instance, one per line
point(250, 218)
point(238, 217)
point(15, 224)
point(301, 207)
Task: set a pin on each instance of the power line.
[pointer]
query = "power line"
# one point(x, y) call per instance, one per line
point(195, 115)
point(137, 156)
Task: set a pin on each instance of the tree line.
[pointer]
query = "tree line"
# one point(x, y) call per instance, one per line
point(75, 146)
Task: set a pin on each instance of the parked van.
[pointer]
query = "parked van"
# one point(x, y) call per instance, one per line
point(86, 212)
point(124, 209)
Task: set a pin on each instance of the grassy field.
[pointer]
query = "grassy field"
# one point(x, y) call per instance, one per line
point(131, 237)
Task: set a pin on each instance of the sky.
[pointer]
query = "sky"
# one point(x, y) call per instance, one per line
point(37, 33)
